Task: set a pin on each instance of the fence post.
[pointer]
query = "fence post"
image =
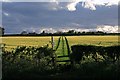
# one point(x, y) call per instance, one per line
point(52, 42)
point(53, 54)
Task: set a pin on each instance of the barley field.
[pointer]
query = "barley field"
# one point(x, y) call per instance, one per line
point(13, 42)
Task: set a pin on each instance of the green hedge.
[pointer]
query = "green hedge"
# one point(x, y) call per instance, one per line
point(34, 63)
point(108, 53)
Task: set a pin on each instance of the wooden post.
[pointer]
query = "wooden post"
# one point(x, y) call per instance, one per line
point(52, 42)
point(53, 54)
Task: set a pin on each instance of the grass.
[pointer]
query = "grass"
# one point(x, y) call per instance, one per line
point(12, 42)
point(86, 70)
point(94, 40)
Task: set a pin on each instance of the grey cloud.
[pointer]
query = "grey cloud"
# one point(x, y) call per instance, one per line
point(31, 14)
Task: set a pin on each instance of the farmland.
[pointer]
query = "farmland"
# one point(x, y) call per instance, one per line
point(87, 59)
point(12, 42)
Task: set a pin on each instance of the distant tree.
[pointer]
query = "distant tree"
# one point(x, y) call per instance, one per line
point(90, 33)
point(59, 32)
point(43, 32)
point(71, 31)
point(2, 31)
point(24, 32)
point(32, 33)
point(83, 32)
point(100, 32)
point(79, 32)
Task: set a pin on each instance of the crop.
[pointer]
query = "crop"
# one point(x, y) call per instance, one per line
point(32, 58)
point(13, 42)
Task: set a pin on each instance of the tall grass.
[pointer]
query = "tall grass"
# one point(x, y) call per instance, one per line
point(13, 42)
point(25, 63)
point(34, 63)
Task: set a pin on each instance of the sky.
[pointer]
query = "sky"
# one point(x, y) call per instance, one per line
point(56, 15)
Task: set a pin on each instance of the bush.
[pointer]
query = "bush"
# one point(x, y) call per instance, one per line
point(25, 59)
point(35, 63)
point(108, 53)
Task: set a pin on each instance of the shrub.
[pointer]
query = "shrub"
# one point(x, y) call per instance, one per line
point(23, 59)
point(108, 53)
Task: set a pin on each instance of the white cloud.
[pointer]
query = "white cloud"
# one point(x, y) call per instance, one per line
point(103, 28)
point(48, 30)
point(84, 30)
point(85, 3)
point(108, 29)
point(6, 14)
point(89, 4)
point(6, 0)
point(71, 4)
point(106, 2)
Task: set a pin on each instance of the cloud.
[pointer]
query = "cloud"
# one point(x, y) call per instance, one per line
point(86, 4)
point(6, 0)
point(89, 4)
point(52, 30)
point(17, 16)
point(103, 28)
point(71, 4)
point(108, 29)
point(106, 2)
point(77, 29)
point(48, 30)
point(6, 14)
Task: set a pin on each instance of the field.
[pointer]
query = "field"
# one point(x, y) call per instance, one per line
point(35, 63)
point(12, 42)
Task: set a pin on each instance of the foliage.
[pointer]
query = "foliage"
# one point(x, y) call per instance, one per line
point(35, 63)
point(26, 58)
point(111, 53)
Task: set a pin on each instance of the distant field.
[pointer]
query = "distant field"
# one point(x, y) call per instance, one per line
point(12, 42)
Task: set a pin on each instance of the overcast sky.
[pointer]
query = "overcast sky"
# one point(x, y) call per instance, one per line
point(81, 15)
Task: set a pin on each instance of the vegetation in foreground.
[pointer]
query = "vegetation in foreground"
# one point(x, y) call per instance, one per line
point(87, 62)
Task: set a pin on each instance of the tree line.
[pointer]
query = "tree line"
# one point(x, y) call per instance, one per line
point(68, 33)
